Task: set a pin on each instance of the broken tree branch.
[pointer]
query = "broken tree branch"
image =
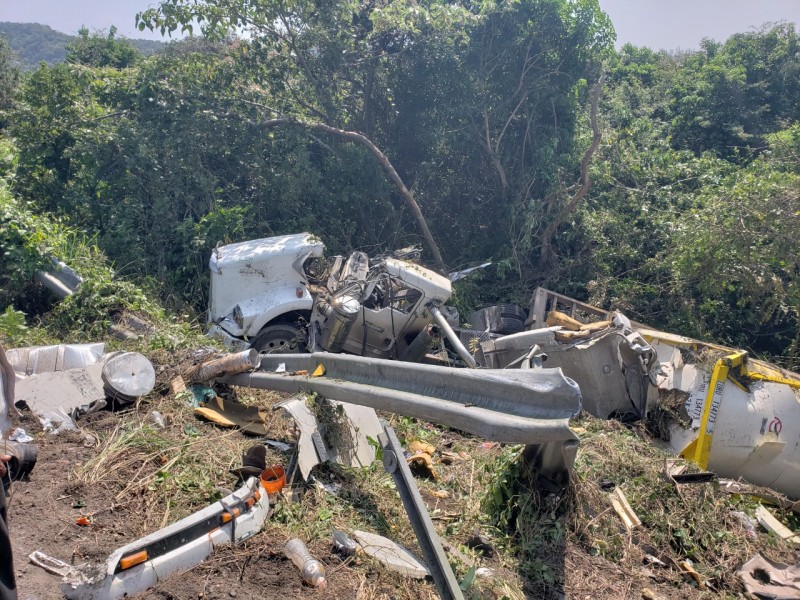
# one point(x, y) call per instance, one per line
point(387, 166)
point(586, 182)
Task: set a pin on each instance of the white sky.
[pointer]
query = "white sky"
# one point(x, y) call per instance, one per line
point(674, 24)
point(668, 24)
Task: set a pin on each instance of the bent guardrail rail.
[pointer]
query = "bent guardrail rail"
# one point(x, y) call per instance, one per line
point(527, 406)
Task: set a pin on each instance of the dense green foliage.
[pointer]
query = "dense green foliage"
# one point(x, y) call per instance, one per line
point(482, 108)
point(34, 44)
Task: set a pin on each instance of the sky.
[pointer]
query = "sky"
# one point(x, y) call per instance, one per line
point(682, 24)
point(660, 24)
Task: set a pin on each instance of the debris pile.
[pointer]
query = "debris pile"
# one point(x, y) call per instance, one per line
point(426, 473)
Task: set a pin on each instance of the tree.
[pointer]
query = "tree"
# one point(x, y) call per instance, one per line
point(98, 50)
point(9, 79)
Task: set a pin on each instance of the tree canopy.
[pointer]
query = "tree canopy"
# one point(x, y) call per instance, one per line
point(664, 185)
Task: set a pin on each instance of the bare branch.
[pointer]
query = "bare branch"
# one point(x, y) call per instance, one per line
point(387, 166)
point(569, 207)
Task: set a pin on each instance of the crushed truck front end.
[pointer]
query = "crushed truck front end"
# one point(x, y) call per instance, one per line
point(256, 281)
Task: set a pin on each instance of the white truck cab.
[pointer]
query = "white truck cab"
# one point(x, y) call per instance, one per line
point(259, 291)
point(279, 295)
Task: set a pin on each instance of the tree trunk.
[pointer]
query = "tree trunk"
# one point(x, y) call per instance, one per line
point(387, 166)
point(586, 182)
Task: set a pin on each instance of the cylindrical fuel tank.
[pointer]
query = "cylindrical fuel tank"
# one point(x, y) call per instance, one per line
point(339, 321)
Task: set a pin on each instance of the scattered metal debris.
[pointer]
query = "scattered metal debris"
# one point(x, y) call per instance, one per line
point(349, 445)
point(55, 395)
point(613, 366)
point(741, 414)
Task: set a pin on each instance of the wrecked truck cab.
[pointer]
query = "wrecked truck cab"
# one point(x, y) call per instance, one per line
point(376, 307)
point(259, 291)
point(278, 295)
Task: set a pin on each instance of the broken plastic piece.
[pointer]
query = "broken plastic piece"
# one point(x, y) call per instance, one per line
point(52, 565)
point(176, 548)
point(424, 460)
point(132, 560)
point(418, 446)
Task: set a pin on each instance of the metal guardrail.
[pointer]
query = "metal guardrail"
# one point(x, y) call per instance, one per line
point(528, 406)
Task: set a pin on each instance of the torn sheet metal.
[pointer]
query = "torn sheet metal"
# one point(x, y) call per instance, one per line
point(765, 578)
point(353, 447)
point(742, 417)
point(225, 413)
point(62, 357)
point(142, 564)
point(53, 396)
point(612, 366)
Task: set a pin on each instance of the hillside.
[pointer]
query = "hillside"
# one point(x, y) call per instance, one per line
point(35, 43)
